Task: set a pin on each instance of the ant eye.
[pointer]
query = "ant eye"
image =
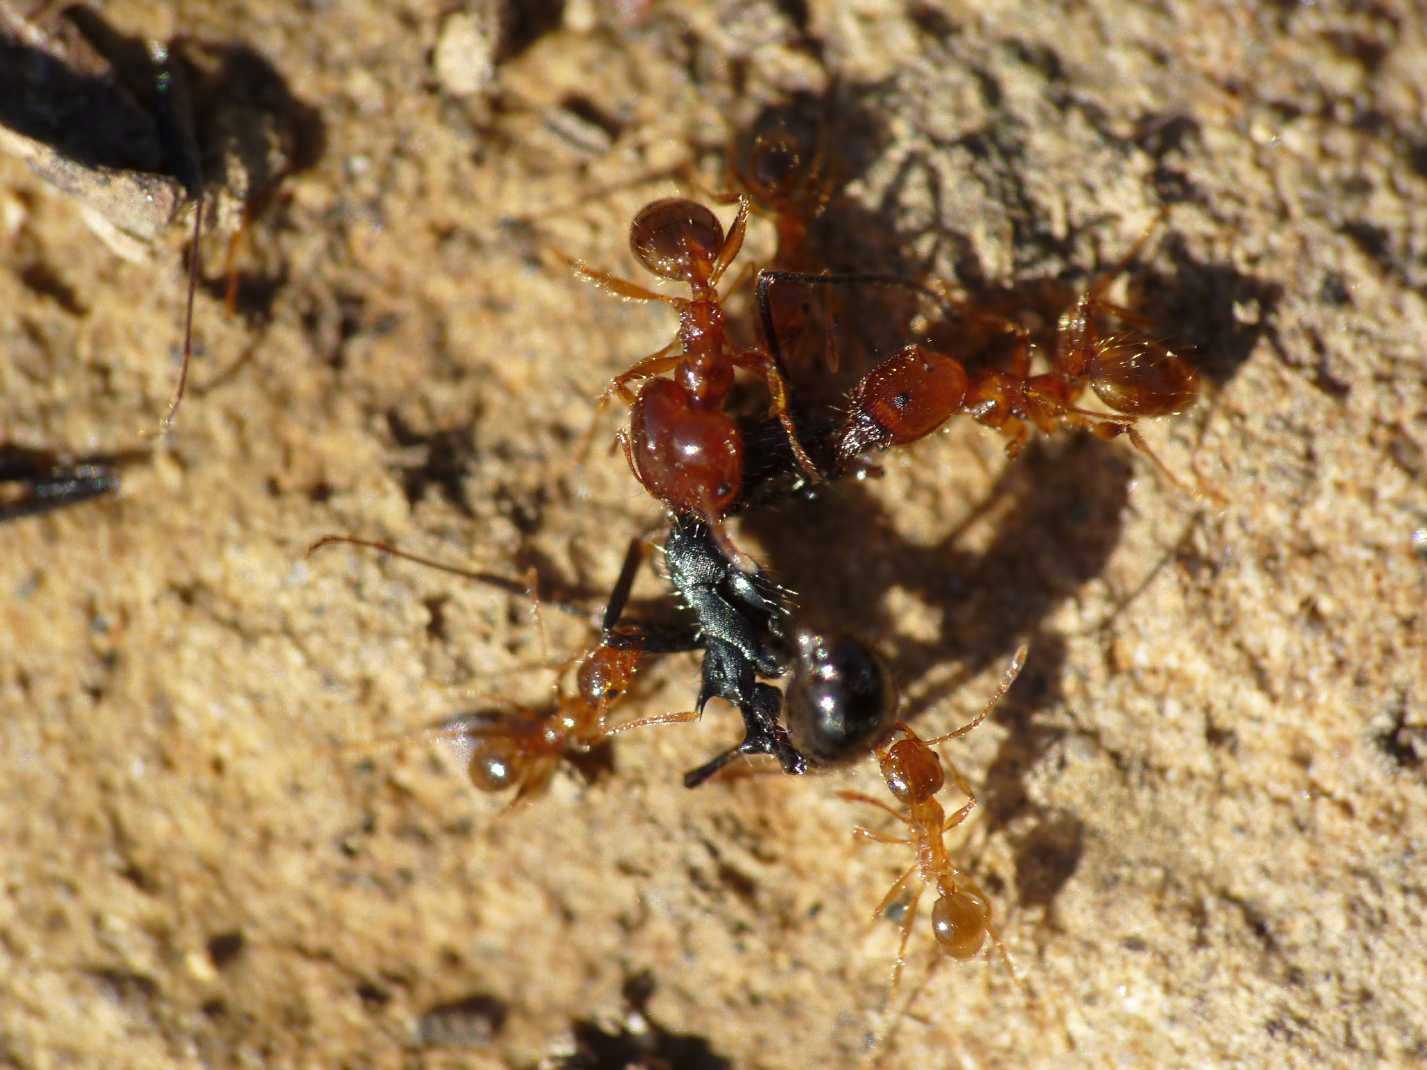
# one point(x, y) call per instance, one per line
point(959, 922)
point(676, 239)
point(840, 700)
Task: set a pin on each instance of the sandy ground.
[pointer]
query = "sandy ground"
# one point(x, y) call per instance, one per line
point(1205, 802)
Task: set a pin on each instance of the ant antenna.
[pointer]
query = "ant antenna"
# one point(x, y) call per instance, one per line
point(166, 424)
point(504, 583)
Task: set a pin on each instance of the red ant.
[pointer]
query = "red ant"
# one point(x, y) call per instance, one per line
point(914, 773)
point(681, 444)
point(521, 748)
point(780, 163)
point(913, 392)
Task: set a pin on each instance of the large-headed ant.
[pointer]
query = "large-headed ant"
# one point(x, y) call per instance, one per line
point(682, 445)
point(913, 392)
point(914, 772)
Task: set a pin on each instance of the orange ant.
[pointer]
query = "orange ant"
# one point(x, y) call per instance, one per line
point(522, 748)
point(914, 773)
point(681, 444)
point(916, 390)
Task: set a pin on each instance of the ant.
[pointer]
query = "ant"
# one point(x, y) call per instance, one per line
point(914, 391)
point(522, 748)
point(914, 772)
point(681, 444)
point(779, 162)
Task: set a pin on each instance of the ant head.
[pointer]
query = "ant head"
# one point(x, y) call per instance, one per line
point(961, 918)
point(605, 674)
point(841, 698)
point(779, 156)
point(912, 769)
point(676, 239)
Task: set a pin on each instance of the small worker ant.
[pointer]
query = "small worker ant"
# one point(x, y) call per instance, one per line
point(914, 773)
point(521, 748)
point(914, 391)
point(681, 444)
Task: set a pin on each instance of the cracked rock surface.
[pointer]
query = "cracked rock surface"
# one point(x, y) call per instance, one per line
point(1204, 805)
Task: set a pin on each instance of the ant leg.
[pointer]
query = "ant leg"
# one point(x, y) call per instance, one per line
point(658, 361)
point(661, 360)
point(1013, 670)
point(732, 243)
point(634, 557)
point(857, 796)
point(907, 922)
point(863, 833)
point(778, 394)
point(894, 893)
point(1020, 363)
point(749, 273)
point(1102, 281)
point(536, 779)
point(690, 177)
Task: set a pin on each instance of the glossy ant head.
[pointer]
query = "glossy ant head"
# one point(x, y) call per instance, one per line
point(912, 770)
point(840, 700)
point(779, 159)
point(677, 239)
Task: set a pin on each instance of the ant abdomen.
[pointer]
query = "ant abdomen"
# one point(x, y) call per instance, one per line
point(1138, 376)
point(676, 239)
point(906, 397)
point(960, 921)
point(841, 698)
point(689, 457)
point(495, 764)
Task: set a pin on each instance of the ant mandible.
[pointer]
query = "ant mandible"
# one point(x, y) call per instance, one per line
point(681, 444)
point(521, 748)
point(914, 773)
